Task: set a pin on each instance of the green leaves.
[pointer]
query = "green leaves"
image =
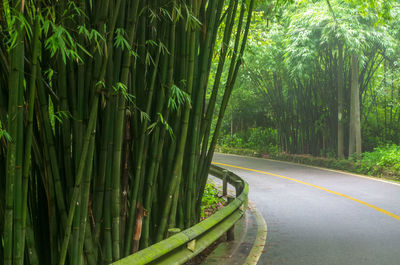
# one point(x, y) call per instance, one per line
point(178, 98)
point(210, 201)
point(123, 90)
point(93, 35)
point(61, 115)
point(384, 160)
point(192, 22)
point(120, 41)
point(16, 19)
point(59, 40)
point(4, 134)
point(163, 122)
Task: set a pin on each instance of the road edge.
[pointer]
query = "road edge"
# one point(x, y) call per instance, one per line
point(261, 238)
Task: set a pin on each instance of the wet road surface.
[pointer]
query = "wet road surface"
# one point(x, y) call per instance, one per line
point(317, 216)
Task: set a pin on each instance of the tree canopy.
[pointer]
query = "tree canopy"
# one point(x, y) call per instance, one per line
point(300, 61)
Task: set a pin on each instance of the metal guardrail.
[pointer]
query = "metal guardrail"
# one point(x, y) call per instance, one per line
point(183, 246)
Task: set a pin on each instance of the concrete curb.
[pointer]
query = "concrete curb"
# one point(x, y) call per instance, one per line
point(261, 239)
point(251, 234)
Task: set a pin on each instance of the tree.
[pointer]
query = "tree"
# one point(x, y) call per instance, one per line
point(301, 64)
point(355, 130)
point(103, 141)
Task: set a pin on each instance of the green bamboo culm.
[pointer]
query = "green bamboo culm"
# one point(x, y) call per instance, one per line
point(102, 135)
point(13, 193)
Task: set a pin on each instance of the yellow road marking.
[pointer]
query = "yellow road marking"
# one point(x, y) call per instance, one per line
point(261, 238)
point(318, 187)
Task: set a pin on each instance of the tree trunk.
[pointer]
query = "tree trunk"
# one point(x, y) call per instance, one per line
point(355, 128)
point(340, 84)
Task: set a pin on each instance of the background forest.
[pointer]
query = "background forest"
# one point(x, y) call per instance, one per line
point(320, 78)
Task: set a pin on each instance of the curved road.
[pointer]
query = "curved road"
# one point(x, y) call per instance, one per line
point(321, 217)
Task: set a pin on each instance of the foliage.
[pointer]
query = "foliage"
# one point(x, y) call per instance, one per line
point(237, 151)
point(103, 141)
point(4, 134)
point(382, 161)
point(292, 69)
point(290, 77)
point(210, 201)
point(377, 163)
point(262, 140)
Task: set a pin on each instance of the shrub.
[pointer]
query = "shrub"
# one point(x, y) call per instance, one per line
point(262, 140)
point(383, 160)
point(210, 201)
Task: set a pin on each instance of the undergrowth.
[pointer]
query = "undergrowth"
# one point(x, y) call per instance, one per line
point(382, 161)
point(210, 202)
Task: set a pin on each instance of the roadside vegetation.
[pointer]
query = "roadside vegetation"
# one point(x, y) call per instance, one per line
point(211, 201)
point(382, 162)
point(320, 85)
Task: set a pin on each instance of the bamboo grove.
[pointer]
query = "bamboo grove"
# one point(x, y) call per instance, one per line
point(105, 128)
point(328, 73)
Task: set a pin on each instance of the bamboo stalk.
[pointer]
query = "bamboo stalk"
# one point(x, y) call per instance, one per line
point(90, 130)
point(85, 195)
point(101, 186)
point(206, 124)
point(73, 245)
point(76, 191)
point(150, 179)
point(198, 106)
point(14, 126)
point(74, 173)
point(228, 90)
point(49, 140)
point(29, 132)
point(118, 134)
point(107, 248)
point(18, 240)
point(175, 177)
point(30, 243)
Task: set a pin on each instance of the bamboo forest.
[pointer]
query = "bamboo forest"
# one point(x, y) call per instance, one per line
point(320, 78)
point(111, 110)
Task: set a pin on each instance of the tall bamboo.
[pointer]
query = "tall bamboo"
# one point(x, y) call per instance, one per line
point(12, 219)
point(197, 99)
point(29, 133)
point(104, 105)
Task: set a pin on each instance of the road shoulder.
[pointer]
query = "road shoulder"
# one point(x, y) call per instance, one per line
point(249, 243)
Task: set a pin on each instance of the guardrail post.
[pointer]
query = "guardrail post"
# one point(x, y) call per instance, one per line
point(230, 234)
point(225, 182)
point(238, 186)
point(173, 231)
point(192, 245)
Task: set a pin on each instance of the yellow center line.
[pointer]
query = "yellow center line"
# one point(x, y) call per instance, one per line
point(315, 186)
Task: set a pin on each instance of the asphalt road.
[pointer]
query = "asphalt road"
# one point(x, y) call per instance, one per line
point(322, 217)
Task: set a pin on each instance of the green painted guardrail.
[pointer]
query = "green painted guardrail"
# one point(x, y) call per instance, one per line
point(183, 246)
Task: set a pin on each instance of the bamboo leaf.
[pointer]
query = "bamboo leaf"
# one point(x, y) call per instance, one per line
point(120, 41)
point(178, 98)
point(5, 134)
